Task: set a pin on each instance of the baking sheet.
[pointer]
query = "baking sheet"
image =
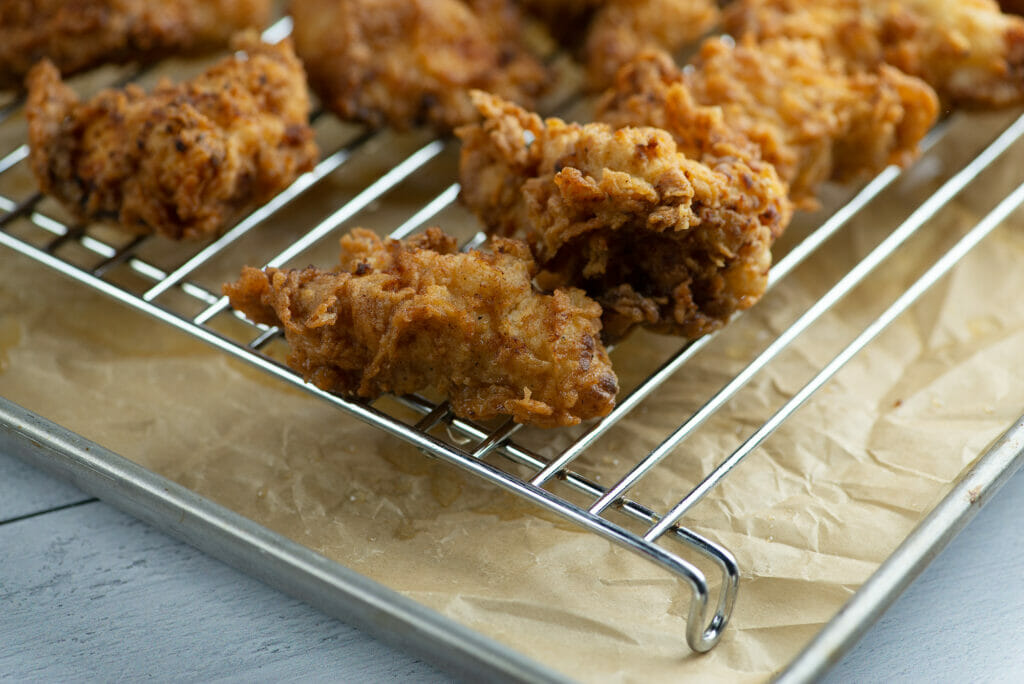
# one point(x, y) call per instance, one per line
point(261, 553)
point(810, 518)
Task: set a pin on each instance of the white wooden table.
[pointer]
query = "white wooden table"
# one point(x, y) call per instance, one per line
point(89, 593)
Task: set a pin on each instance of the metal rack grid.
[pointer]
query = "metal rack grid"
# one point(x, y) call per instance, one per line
point(469, 442)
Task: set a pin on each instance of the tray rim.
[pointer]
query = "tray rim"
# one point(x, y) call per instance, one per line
point(358, 600)
point(970, 493)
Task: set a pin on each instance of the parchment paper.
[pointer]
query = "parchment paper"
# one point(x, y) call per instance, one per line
point(810, 516)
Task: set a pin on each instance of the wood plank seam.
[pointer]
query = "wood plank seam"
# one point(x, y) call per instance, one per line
point(74, 504)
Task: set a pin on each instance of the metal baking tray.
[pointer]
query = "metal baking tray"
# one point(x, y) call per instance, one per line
point(397, 620)
point(353, 598)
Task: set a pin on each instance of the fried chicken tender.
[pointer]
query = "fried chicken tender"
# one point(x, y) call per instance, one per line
point(79, 35)
point(804, 113)
point(656, 238)
point(618, 30)
point(968, 50)
point(405, 63)
point(407, 316)
point(183, 161)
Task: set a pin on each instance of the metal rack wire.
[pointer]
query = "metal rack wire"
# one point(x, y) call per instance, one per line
point(469, 443)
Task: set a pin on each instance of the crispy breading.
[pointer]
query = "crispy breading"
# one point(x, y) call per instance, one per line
point(622, 29)
point(406, 63)
point(183, 161)
point(79, 35)
point(609, 33)
point(651, 91)
point(403, 317)
point(968, 50)
point(658, 239)
point(805, 114)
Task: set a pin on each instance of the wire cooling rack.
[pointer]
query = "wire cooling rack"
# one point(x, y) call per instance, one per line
point(171, 295)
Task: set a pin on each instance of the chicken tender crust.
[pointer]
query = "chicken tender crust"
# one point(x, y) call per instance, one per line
point(184, 161)
point(800, 110)
point(406, 63)
point(407, 316)
point(968, 50)
point(658, 239)
point(79, 35)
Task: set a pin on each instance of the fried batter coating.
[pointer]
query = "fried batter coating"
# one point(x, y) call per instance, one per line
point(807, 116)
point(658, 239)
point(406, 316)
point(183, 161)
point(79, 35)
point(968, 50)
point(406, 63)
point(622, 29)
point(611, 32)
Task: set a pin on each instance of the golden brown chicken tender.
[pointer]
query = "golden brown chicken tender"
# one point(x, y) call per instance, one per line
point(183, 161)
point(79, 35)
point(407, 316)
point(968, 50)
point(406, 63)
point(657, 239)
point(807, 116)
